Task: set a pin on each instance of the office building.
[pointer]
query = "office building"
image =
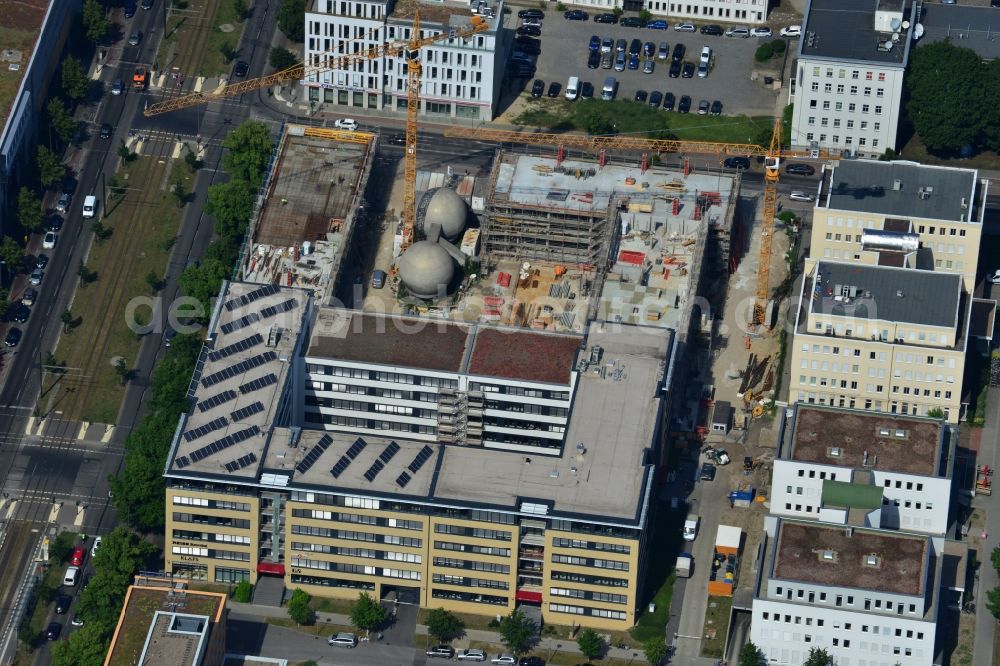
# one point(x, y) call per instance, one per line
point(868, 597)
point(890, 471)
point(848, 82)
point(900, 214)
point(467, 466)
point(460, 78)
point(881, 338)
point(732, 11)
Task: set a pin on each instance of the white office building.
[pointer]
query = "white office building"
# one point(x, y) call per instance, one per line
point(869, 597)
point(848, 84)
point(460, 77)
point(734, 11)
point(877, 470)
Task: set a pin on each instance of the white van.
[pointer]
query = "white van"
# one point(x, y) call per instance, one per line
point(573, 88)
point(706, 54)
point(609, 89)
point(90, 206)
point(691, 527)
point(72, 576)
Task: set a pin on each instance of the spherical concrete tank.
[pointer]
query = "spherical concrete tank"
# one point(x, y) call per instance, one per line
point(426, 269)
point(447, 209)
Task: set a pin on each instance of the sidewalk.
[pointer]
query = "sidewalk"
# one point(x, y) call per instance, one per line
point(550, 645)
point(989, 447)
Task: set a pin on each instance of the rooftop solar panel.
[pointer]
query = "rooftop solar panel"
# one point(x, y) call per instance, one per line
point(272, 310)
point(259, 383)
point(201, 431)
point(247, 299)
point(390, 450)
point(422, 456)
point(242, 322)
point(249, 410)
point(240, 463)
point(374, 470)
point(402, 480)
point(236, 347)
point(356, 448)
point(341, 465)
point(239, 368)
point(216, 400)
point(180, 462)
point(224, 443)
point(310, 458)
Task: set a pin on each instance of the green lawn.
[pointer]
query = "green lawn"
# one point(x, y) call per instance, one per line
point(660, 581)
point(717, 618)
point(327, 605)
point(315, 629)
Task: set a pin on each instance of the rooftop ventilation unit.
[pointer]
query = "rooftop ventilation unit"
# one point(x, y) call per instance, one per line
point(897, 184)
point(828, 555)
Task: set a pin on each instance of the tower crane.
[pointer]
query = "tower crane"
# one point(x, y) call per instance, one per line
point(409, 50)
point(772, 155)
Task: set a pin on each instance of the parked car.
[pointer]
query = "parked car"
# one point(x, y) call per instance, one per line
point(106, 131)
point(21, 313)
point(52, 631)
point(595, 43)
point(587, 90)
point(441, 652)
point(635, 47)
point(631, 22)
point(538, 88)
point(76, 556)
point(531, 21)
point(620, 46)
point(687, 72)
point(531, 13)
point(655, 99)
point(472, 654)
point(640, 96)
point(605, 18)
point(658, 24)
point(995, 277)
point(135, 38)
point(343, 639)
point(633, 62)
point(607, 60)
point(13, 337)
point(62, 603)
point(707, 472)
point(576, 15)
point(800, 196)
point(129, 9)
point(146, 4)
point(716, 108)
point(49, 241)
point(53, 223)
point(607, 45)
point(594, 60)
point(684, 105)
point(796, 30)
point(529, 31)
point(29, 296)
point(648, 50)
point(685, 27)
point(678, 54)
point(738, 32)
point(703, 107)
point(669, 101)
point(675, 70)
point(62, 205)
point(41, 261)
point(242, 68)
point(736, 163)
point(77, 621)
point(504, 659)
point(118, 87)
point(663, 52)
point(620, 62)
point(799, 169)
point(97, 544)
point(712, 29)
point(554, 89)
point(349, 124)
point(703, 70)
point(531, 661)
point(37, 276)
point(760, 32)
point(648, 66)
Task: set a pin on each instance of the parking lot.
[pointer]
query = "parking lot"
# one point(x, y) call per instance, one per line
point(564, 51)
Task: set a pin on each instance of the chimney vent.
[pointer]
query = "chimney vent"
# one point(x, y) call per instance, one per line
point(897, 184)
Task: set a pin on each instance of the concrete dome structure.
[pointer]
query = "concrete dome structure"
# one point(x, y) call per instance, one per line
point(426, 269)
point(447, 209)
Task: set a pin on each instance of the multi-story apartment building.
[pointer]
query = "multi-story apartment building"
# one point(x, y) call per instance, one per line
point(466, 466)
point(460, 78)
point(880, 338)
point(900, 214)
point(869, 597)
point(742, 11)
point(890, 471)
point(848, 83)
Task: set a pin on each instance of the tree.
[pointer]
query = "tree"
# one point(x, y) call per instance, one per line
point(750, 655)
point(995, 558)
point(85, 274)
point(517, 631)
point(154, 281)
point(243, 592)
point(203, 280)
point(292, 19)
point(231, 204)
point(101, 232)
point(298, 607)
point(764, 52)
point(593, 119)
point(248, 150)
point(86, 646)
point(240, 9)
point(95, 21)
point(67, 320)
point(281, 58)
point(645, 16)
point(228, 52)
point(60, 120)
point(122, 553)
point(5, 304)
point(191, 159)
point(126, 153)
point(948, 101)
point(367, 613)
point(180, 194)
point(74, 79)
point(590, 643)
point(444, 625)
point(655, 649)
point(29, 209)
point(818, 657)
point(115, 188)
point(50, 168)
point(123, 371)
point(11, 254)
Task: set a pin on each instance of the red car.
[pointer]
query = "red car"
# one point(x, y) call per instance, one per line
point(76, 557)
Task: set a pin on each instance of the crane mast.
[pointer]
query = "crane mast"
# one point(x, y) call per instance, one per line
point(413, 70)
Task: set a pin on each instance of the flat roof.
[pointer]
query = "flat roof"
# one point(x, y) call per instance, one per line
point(886, 293)
point(22, 22)
point(838, 556)
point(142, 604)
point(966, 26)
point(412, 342)
point(817, 430)
point(614, 419)
point(175, 638)
point(242, 370)
point(869, 186)
point(519, 354)
point(454, 14)
point(845, 30)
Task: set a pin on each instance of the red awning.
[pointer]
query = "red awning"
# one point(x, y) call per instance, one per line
point(273, 568)
point(529, 596)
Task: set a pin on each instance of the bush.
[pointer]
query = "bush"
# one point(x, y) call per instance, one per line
point(298, 607)
point(777, 46)
point(243, 592)
point(763, 52)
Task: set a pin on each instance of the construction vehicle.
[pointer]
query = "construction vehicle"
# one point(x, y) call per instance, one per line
point(772, 156)
point(140, 77)
point(409, 50)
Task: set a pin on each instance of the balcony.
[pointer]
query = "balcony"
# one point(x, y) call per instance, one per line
point(530, 553)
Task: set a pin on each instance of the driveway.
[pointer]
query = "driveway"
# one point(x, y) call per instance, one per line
point(564, 50)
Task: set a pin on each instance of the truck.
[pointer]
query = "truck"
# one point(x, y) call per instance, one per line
point(140, 77)
point(684, 565)
point(691, 527)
